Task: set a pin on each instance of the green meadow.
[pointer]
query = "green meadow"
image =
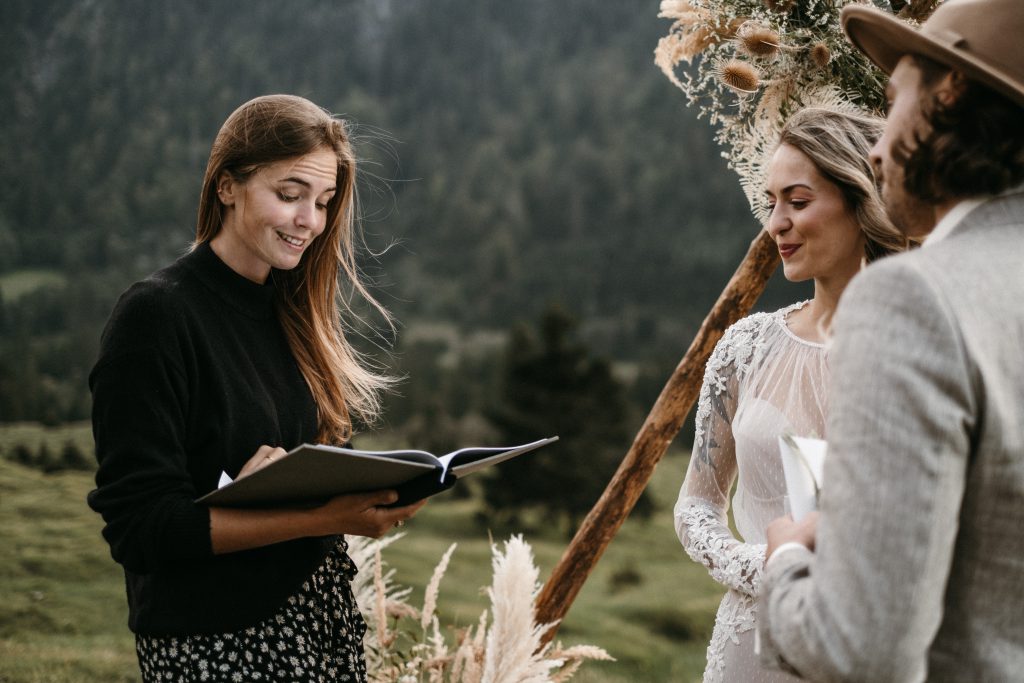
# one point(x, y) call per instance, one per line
point(16, 284)
point(63, 614)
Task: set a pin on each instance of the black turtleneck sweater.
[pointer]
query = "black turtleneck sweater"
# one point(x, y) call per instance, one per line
point(194, 375)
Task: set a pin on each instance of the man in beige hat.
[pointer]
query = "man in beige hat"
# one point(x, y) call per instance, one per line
point(914, 569)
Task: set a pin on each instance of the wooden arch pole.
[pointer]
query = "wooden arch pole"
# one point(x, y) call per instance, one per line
point(651, 442)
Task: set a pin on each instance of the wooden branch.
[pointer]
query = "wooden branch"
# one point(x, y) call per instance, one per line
point(651, 442)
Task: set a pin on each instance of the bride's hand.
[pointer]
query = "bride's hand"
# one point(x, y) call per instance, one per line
point(263, 457)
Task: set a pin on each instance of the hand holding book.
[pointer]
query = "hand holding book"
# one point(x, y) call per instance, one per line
point(312, 473)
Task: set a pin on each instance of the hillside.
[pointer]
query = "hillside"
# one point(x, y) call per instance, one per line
point(63, 617)
point(514, 154)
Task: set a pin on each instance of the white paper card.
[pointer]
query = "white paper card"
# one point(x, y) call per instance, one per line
point(800, 470)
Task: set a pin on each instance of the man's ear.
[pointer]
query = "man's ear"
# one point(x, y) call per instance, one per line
point(950, 88)
point(227, 189)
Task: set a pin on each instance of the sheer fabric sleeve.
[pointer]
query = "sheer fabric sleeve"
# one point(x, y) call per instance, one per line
point(701, 511)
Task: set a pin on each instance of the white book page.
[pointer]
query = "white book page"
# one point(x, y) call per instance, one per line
point(468, 460)
point(407, 455)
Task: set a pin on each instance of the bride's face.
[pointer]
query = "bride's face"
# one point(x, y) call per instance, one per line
point(810, 221)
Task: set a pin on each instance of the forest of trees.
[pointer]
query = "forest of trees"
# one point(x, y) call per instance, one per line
point(515, 157)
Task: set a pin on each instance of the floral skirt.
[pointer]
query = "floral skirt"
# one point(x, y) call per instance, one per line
point(316, 636)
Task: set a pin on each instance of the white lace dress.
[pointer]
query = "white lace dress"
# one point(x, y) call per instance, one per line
point(760, 381)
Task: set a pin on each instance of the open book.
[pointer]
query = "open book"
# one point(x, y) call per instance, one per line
point(803, 461)
point(310, 474)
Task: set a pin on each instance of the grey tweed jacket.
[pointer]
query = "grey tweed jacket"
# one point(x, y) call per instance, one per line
point(918, 573)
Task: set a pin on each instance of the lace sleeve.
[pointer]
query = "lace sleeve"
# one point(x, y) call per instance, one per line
point(701, 511)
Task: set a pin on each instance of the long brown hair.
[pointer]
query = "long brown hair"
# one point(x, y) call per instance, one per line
point(274, 128)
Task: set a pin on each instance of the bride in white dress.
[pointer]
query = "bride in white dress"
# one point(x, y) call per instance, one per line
point(769, 372)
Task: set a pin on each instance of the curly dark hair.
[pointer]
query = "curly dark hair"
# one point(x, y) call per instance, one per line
point(973, 147)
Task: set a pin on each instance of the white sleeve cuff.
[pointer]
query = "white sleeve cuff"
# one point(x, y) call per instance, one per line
point(784, 548)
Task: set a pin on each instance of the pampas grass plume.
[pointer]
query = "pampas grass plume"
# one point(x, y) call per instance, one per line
point(739, 75)
point(514, 639)
point(384, 639)
point(430, 599)
point(574, 657)
point(475, 665)
point(503, 647)
point(674, 8)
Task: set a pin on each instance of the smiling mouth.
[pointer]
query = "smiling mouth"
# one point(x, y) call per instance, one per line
point(291, 241)
point(787, 250)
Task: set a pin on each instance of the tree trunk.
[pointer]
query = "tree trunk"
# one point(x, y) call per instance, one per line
point(651, 442)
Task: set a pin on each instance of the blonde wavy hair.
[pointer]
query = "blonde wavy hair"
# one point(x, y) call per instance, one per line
point(838, 143)
point(309, 302)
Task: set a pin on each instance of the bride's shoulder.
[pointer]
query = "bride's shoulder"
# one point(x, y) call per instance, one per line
point(738, 343)
point(754, 325)
point(780, 315)
point(744, 340)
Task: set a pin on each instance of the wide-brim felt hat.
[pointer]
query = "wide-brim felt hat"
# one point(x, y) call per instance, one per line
point(982, 39)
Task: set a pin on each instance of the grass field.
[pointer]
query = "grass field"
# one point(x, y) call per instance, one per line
point(18, 283)
point(63, 614)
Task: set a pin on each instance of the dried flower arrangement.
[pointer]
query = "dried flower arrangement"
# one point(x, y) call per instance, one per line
point(757, 61)
point(407, 645)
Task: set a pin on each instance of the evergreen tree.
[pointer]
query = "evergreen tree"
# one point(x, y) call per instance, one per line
point(72, 458)
point(22, 455)
point(554, 386)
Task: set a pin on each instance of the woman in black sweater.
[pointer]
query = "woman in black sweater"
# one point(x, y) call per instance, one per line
point(221, 362)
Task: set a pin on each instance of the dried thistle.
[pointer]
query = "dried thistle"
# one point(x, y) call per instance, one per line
point(758, 40)
point(781, 55)
point(820, 54)
point(739, 75)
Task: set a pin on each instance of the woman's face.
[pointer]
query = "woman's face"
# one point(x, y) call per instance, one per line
point(817, 233)
point(271, 218)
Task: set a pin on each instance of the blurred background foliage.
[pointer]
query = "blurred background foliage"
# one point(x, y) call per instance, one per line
point(543, 215)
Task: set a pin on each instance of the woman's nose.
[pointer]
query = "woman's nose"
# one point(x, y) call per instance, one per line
point(306, 215)
point(778, 222)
